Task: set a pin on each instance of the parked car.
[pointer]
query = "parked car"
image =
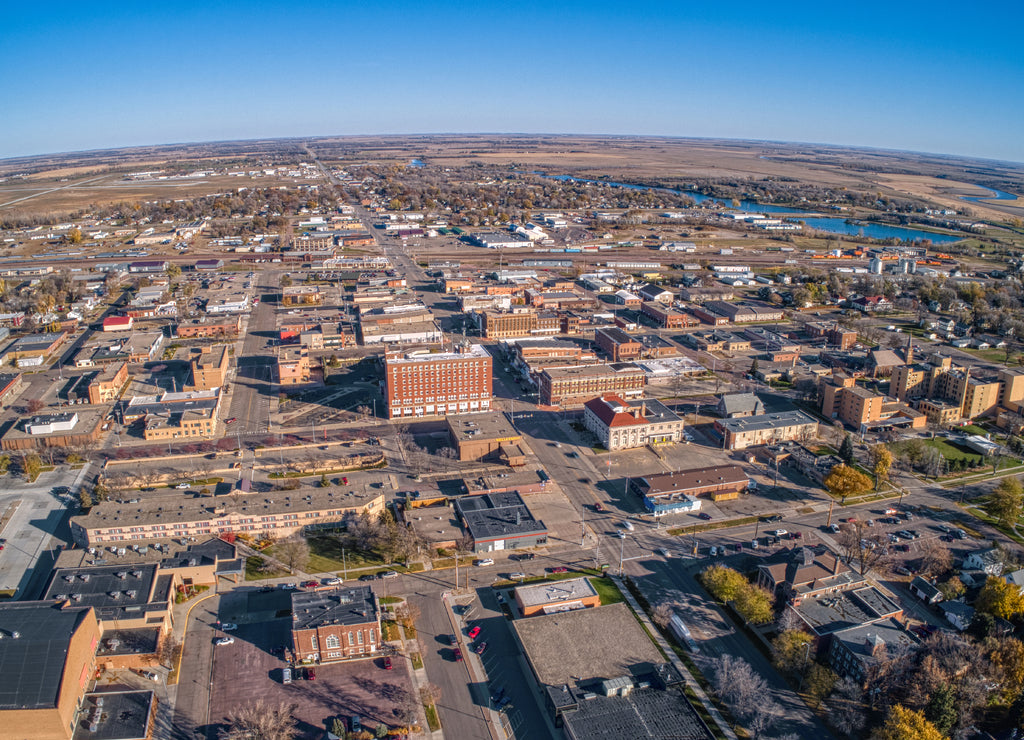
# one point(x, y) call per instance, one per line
point(458, 654)
point(797, 535)
point(560, 569)
point(149, 675)
point(224, 641)
point(289, 586)
point(778, 532)
point(517, 576)
point(599, 507)
point(833, 527)
point(311, 674)
point(704, 515)
point(479, 649)
point(334, 581)
point(473, 632)
point(713, 551)
point(344, 480)
point(483, 561)
point(773, 518)
point(368, 577)
point(311, 584)
point(662, 551)
point(229, 626)
point(453, 640)
point(286, 675)
point(182, 486)
point(389, 574)
point(232, 420)
point(387, 663)
point(525, 556)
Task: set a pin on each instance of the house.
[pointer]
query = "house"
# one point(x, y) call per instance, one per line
point(872, 304)
point(650, 292)
point(957, 614)
point(1016, 578)
point(737, 405)
point(990, 561)
point(808, 572)
point(925, 591)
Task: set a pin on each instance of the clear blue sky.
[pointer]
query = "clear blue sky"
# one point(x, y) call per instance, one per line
point(934, 77)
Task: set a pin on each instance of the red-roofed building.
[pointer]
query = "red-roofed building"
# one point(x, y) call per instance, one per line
point(621, 424)
point(118, 323)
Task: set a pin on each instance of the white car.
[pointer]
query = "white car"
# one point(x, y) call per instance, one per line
point(517, 576)
point(181, 486)
point(224, 641)
point(779, 532)
point(483, 561)
point(334, 581)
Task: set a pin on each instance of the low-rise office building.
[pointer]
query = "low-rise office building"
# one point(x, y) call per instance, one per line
point(679, 490)
point(500, 521)
point(485, 436)
point(293, 367)
point(560, 596)
point(573, 386)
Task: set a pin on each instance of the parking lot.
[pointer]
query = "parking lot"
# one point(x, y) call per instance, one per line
point(249, 669)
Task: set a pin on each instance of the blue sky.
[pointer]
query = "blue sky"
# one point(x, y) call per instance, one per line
point(932, 77)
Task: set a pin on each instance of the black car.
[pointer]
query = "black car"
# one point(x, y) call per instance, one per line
point(525, 556)
point(368, 577)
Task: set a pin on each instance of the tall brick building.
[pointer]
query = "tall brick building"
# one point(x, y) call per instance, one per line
point(335, 624)
point(428, 384)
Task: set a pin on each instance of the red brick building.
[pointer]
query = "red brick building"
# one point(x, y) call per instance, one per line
point(335, 624)
point(617, 344)
point(429, 384)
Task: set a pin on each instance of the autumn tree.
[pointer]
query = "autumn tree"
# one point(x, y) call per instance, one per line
point(906, 724)
point(31, 466)
point(820, 682)
point(1000, 599)
point(723, 583)
point(844, 481)
point(881, 463)
point(1006, 501)
point(260, 721)
point(792, 650)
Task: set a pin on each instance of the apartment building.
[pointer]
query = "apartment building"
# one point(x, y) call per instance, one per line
point(667, 317)
point(437, 383)
point(940, 385)
point(573, 386)
point(203, 328)
point(167, 516)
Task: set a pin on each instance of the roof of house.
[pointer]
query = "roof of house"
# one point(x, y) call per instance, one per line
point(740, 403)
point(808, 568)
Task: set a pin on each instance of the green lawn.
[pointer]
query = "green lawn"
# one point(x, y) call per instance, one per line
point(432, 721)
point(325, 555)
point(607, 590)
point(951, 451)
point(253, 572)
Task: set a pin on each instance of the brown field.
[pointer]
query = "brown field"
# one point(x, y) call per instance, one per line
point(947, 192)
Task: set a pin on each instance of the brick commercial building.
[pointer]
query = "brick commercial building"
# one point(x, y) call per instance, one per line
point(80, 428)
point(107, 383)
point(785, 426)
point(224, 327)
point(617, 344)
point(209, 368)
point(500, 521)
point(428, 384)
point(667, 317)
point(335, 624)
point(498, 325)
point(49, 658)
point(573, 386)
point(480, 436)
point(301, 295)
point(561, 596)
point(719, 483)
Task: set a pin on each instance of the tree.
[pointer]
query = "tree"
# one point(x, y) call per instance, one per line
point(260, 721)
point(936, 559)
point(754, 604)
point(5, 464)
point(845, 481)
point(34, 406)
point(293, 552)
point(906, 724)
point(791, 649)
point(31, 466)
point(1000, 599)
point(846, 449)
point(172, 271)
point(1007, 655)
point(74, 236)
point(746, 693)
point(1006, 501)
point(430, 693)
point(339, 727)
point(941, 708)
point(754, 367)
point(881, 463)
point(723, 583)
point(820, 682)
point(952, 588)
point(84, 498)
point(846, 711)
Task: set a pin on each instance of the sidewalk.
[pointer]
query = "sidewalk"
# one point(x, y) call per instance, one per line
point(723, 726)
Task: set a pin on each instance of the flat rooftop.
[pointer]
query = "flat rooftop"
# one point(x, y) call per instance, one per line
point(540, 594)
point(473, 351)
point(32, 664)
point(686, 480)
point(573, 645)
point(492, 516)
point(352, 605)
point(481, 427)
point(94, 586)
point(120, 715)
point(845, 609)
point(765, 421)
point(584, 371)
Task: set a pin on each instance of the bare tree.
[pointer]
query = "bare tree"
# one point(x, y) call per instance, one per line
point(746, 693)
point(260, 721)
point(846, 708)
point(293, 552)
point(936, 559)
point(430, 693)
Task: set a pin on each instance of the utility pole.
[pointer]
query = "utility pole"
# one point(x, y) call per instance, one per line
point(831, 503)
point(622, 544)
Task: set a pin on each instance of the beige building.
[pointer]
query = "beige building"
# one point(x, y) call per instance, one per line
point(209, 368)
point(786, 426)
point(293, 366)
point(160, 517)
point(940, 385)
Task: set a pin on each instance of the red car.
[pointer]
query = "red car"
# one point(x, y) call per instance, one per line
point(311, 674)
point(560, 569)
point(310, 584)
point(458, 654)
point(387, 664)
point(797, 535)
point(344, 480)
point(479, 649)
point(473, 632)
point(232, 420)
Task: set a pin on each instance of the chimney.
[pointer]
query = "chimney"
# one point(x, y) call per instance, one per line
point(643, 408)
point(909, 354)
